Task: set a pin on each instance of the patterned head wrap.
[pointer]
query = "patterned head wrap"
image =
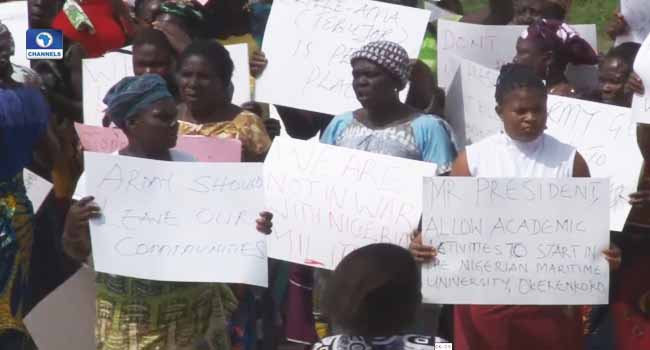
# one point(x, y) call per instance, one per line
point(183, 9)
point(4, 30)
point(563, 40)
point(132, 95)
point(389, 55)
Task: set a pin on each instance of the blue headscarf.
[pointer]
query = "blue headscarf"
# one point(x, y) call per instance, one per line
point(132, 95)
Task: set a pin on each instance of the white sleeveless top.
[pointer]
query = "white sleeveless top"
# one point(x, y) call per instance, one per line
point(501, 156)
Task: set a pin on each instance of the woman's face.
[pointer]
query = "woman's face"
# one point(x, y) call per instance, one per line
point(523, 112)
point(372, 85)
point(532, 56)
point(156, 128)
point(527, 11)
point(149, 58)
point(612, 75)
point(150, 9)
point(199, 84)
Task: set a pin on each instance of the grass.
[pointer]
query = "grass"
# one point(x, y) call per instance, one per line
point(597, 12)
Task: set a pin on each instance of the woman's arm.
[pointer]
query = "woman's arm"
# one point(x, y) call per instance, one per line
point(580, 167)
point(460, 167)
point(76, 231)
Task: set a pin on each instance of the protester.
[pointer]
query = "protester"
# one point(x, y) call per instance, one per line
point(526, 12)
point(374, 294)
point(204, 81)
point(153, 54)
point(387, 126)
point(547, 47)
point(24, 116)
point(614, 71)
point(146, 11)
point(144, 109)
point(523, 150)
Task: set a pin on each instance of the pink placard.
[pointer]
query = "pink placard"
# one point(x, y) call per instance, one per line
point(205, 149)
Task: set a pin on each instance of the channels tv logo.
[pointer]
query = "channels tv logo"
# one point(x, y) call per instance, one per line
point(44, 44)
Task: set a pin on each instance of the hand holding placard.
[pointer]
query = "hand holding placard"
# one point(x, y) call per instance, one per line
point(516, 241)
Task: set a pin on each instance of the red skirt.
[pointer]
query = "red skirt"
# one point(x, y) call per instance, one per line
point(631, 326)
point(109, 35)
point(502, 327)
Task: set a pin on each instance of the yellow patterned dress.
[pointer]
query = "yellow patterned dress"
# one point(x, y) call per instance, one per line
point(137, 314)
point(246, 127)
point(16, 228)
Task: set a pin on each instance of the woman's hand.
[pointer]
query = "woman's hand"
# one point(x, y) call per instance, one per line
point(258, 64)
point(421, 253)
point(264, 223)
point(614, 257)
point(618, 26)
point(76, 234)
point(175, 34)
point(635, 84)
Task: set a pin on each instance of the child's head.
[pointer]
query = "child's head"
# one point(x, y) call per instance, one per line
point(613, 72)
point(374, 291)
point(521, 102)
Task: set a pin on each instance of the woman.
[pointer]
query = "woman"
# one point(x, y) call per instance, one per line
point(387, 126)
point(204, 81)
point(613, 73)
point(373, 295)
point(24, 115)
point(145, 110)
point(523, 150)
point(548, 46)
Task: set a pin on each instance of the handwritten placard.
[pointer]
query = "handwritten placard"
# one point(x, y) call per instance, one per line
point(100, 74)
point(177, 221)
point(637, 16)
point(13, 14)
point(330, 200)
point(241, 76)
point(73, 306)
point(516, 241)
point(204, 149)
point(641, 104)
point(309, 44)
point(37, 188)
point(490, 46)
point(605, 136)
point(470, 104)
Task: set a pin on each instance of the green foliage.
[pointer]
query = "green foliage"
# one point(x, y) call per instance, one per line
point(598, 12)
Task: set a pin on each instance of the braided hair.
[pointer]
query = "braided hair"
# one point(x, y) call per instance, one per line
point(515, 76)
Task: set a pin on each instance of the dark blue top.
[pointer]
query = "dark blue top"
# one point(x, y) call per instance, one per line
point(24, 114)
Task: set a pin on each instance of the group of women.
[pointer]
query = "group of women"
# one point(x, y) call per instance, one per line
point(182, 85)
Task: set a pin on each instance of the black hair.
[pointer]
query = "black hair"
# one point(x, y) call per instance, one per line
point(214, 53)
point(374, 291)
point(153, 37)
point(554, 11)
point(516, 76)
point(626, 52)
